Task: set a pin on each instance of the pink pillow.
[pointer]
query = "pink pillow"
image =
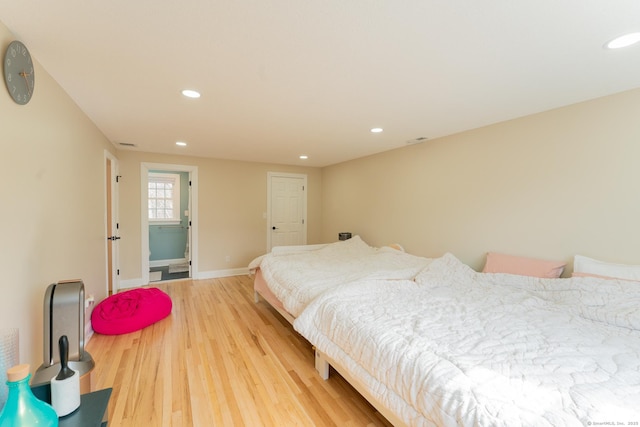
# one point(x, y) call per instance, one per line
point(500, 263)
point(130, 311)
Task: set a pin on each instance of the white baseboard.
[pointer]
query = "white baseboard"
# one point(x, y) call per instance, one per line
point(88, 333)
point(214, 274)
point(131, 283)
point(88, 329)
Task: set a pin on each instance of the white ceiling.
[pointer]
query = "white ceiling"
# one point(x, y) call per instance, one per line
point(280, 78)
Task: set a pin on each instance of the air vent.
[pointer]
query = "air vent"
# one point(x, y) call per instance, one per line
point(127, 144)
point(417, 140)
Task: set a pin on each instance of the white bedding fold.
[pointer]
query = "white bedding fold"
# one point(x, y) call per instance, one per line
point(456, 347)
point(297, 278)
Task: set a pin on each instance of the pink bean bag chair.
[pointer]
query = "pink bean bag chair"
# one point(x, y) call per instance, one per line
point(130, 311)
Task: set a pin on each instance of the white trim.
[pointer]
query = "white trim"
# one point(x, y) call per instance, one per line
point(164, 222)
point(271, 175)
point(166, 262)
point(88, 333)
point(174, 179)
point(215, 274)
point(144, 217)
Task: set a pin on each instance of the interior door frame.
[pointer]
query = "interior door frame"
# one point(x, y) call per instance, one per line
point(302, 176)
point(111, 221)
point(192, 238)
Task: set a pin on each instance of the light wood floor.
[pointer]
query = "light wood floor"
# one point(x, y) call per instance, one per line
point(220, 359)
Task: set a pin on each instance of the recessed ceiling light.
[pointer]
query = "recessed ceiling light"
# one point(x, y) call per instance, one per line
point(181, 143)
point(623, 41)
point(304, 157)
point(376, 130)
point(191, 93)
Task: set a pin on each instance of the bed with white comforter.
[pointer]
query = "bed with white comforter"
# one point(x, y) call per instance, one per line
point(296, 278)
point(456, 347)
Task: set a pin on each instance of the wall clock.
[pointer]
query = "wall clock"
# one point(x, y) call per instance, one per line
point(18, 72)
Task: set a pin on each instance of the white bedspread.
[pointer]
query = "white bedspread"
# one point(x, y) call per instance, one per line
point(297, 278)
point(456, 347)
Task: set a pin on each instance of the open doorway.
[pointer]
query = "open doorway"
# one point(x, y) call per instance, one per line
point(168, 202)
point(169, 221)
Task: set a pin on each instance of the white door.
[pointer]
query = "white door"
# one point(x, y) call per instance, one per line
point(287, 210)
point(112, 226)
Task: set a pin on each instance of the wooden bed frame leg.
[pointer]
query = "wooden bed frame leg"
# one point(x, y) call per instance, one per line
point(322, 366)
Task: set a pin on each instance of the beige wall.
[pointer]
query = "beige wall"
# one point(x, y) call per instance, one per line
point(232, 198)
point(52, 217)
point(549, 185)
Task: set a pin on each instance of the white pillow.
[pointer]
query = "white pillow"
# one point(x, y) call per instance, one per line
point(590, 266)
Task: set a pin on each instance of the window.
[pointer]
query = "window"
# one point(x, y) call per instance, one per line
point(164, 197)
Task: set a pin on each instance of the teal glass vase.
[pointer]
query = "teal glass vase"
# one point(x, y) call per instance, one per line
point(22, 408)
